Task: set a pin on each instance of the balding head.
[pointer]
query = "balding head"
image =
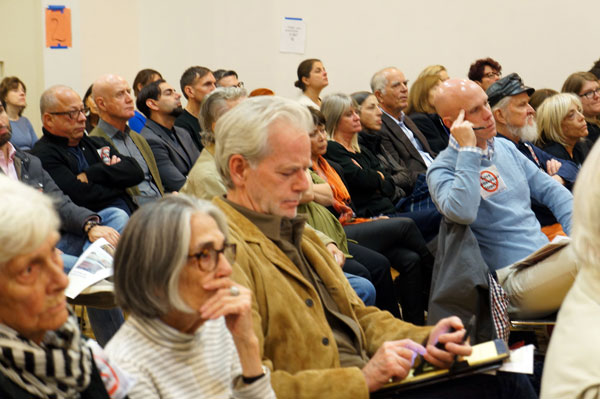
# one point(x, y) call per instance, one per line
point(455, 95)
point(112, 96)
point(390, 87)
point(63, 113)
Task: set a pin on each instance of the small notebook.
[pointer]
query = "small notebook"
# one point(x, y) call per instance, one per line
point(486, 356)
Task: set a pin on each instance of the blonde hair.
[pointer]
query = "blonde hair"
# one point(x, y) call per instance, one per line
point(418, 96)
point(27, 217)
point(432, 70)
point(551, 114)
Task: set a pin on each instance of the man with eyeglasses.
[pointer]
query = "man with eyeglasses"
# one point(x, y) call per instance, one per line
point(196, 82)
point(227, 78)
point(87, 169)
point(485, 72)
point(515, 121)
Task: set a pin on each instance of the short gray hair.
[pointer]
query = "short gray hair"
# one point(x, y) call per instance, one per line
point(379, 80)
point(214, 105)
point(27, 217)
point(153, 251)
point(245, 129)
point(586, 213)
point(48, 99)
point(333, 107)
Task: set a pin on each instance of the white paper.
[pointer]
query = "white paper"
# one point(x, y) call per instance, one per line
point(116, 380)
point(95, 264)
point(521, 360)
point(293, 35)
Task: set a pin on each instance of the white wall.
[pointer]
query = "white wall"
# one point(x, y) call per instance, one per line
point(542, 40)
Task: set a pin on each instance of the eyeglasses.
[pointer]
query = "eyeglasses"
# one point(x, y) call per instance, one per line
point(490, 75)
point(72, 114)
point(208, 258)
point(590, 94)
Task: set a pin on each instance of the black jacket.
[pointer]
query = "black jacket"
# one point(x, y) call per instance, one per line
point(106, 183)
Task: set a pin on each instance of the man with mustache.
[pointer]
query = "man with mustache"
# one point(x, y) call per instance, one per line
point(515, 121)
point(112, 96)
point(173, 148)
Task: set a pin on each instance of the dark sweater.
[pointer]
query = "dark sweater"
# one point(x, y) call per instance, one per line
point(191, 125)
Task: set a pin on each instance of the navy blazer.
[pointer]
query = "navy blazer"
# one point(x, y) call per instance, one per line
point(173, 163)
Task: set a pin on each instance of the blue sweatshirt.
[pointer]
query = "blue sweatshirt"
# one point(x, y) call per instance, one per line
point(504, 224)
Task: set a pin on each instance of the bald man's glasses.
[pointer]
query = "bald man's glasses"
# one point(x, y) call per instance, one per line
point(73, 115)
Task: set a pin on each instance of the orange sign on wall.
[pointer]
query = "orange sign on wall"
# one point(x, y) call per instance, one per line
point(58, 27)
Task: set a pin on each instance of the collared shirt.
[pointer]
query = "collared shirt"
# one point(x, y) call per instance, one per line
point(125, 145)
point(8, 165)
point(411, 136)
point(286, 233)
point(485, 154)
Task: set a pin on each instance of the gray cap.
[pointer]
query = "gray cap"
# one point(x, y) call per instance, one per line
point(510, 85)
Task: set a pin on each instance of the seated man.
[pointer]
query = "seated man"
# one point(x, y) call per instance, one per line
point(316, 336)
point(173, 148)
point(87, 169)
point(515, 121)
point(487, 184)
point(112, 96)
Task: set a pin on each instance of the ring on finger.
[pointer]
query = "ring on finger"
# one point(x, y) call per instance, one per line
point(234, 291)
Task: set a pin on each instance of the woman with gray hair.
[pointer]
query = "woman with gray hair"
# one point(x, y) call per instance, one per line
point(571, 365)
point(203, 180)
point(562, 128)
point(190, 332)
point(42, 352)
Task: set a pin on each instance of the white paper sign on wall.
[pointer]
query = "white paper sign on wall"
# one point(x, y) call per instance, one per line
point(293, 35)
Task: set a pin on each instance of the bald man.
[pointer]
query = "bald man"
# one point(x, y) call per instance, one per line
point(112, 96)
point(87, 169)
point(487, 184)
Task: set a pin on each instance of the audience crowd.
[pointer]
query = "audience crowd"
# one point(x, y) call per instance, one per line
point(326, 211)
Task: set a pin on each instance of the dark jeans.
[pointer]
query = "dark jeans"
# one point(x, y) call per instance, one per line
point(376, 268)
point(479, 386)
point(400, 241)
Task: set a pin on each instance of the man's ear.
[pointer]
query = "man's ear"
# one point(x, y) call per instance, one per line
point(152, 104)
point(189, 93)
point(47, 121)
point(379, 96)
point(99, 101)
point(499, 116)
point(238, 169)
point(447, 121)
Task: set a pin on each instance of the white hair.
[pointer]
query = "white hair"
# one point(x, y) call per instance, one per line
point(27, 217)
point(245, 129)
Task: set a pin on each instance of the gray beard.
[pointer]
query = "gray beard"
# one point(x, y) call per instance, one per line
point(525, 133)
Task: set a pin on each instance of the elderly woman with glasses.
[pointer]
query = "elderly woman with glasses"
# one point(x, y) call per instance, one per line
point(42, 352)
point(189, 333)
point(587, 86)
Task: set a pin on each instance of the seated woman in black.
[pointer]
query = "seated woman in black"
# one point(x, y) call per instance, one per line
point(562, 128)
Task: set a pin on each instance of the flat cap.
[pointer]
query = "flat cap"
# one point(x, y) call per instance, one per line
point(510, 85)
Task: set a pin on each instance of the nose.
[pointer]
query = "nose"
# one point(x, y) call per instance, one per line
point(530, 110)
point(224, 268)
point(81, 116)
point(177, 96)
point(378, 111)
point(301, 183)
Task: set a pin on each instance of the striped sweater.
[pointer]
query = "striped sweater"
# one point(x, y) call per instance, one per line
point(170, 364)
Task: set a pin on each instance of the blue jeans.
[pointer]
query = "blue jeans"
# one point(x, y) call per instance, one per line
point(363, 288)
point(73, 244)
point(105, 322)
